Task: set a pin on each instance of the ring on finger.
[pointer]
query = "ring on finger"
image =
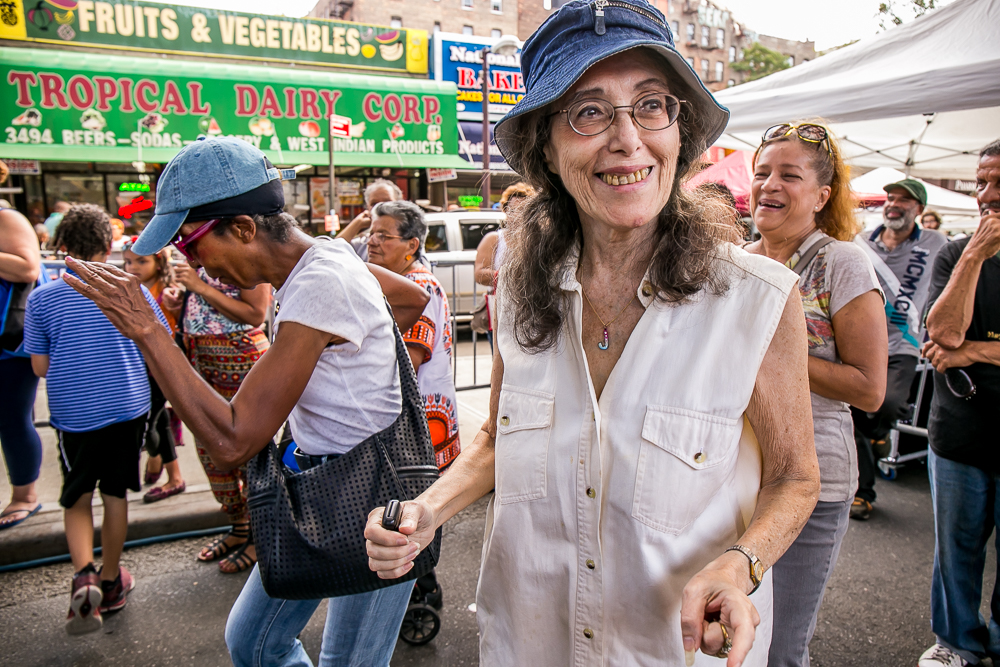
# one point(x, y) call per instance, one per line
point(727, 643)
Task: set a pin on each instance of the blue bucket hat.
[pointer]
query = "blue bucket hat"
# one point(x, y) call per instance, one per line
point(582, 33)
point(204, 172)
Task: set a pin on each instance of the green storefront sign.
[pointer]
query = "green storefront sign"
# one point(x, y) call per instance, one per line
point(76, 106)
point(152, 26)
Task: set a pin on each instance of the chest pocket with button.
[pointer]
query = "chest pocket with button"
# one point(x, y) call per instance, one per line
point(524, 426)
point(681, 465)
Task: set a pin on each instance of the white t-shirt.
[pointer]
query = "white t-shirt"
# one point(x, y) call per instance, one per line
point(354, 390)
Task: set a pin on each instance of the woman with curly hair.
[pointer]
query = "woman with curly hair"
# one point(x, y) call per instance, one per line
point(649, 437)
point(802, 204)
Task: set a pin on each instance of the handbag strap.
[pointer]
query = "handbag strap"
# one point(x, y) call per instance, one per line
point(807, 256)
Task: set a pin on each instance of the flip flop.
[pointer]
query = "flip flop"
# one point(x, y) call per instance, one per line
point(11, 524)
point(160, 492)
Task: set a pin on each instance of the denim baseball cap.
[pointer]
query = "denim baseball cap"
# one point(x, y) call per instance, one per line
point(205, 171)
point(584, 32)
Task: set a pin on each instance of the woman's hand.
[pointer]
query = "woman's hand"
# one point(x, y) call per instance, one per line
point(391, 554)
point(188, 276)
point(118, 294)
point(171, 299)
point(362, 222)
point(942, 358)
point(717, 594)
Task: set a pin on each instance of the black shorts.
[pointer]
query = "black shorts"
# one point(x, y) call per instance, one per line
point(107, 458)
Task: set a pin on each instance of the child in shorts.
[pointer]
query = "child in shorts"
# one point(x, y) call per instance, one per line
point(98, 403)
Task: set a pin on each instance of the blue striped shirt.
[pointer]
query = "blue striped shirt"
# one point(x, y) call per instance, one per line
point(96, 376)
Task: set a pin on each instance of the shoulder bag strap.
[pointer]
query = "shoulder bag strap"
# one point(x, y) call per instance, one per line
point(807, 257)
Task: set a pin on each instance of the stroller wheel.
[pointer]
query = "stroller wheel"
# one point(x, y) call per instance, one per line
point(886, 471)
point(420, 625)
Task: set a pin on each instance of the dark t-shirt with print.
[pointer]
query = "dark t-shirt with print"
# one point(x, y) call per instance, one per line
point(968, 431)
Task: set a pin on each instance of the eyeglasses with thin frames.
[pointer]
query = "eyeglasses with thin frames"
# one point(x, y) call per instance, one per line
point(590, 117)
point(378, 238)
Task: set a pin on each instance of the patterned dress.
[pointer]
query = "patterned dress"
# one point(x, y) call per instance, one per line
point(432, 335)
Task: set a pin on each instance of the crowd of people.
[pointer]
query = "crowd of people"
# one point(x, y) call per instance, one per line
point(685, 414)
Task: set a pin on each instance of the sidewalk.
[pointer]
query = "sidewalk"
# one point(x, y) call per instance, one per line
point(42, 535)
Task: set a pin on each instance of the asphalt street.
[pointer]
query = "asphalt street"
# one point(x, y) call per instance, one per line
point(876, 611)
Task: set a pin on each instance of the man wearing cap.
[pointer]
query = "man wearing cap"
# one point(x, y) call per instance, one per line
point(963, 323)
point(903, 254)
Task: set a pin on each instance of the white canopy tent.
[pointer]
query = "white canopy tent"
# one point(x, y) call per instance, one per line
point(923, 97)
point(960, 212)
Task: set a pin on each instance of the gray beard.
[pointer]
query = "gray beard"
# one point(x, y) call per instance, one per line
point(896, 224)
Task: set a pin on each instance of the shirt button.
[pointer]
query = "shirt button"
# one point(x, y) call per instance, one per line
point(699, 457)
point(591, 493)
point(588, 633)
point(591, 564)
point(504, 420)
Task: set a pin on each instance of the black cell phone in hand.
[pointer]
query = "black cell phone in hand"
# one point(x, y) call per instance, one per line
point(392, 515)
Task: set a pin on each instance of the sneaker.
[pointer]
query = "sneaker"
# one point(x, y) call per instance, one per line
point(85, 602)
point(941, 656)
point(861, 509)
point(115, 591)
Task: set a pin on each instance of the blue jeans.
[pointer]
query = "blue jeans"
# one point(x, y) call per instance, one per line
point(965, 513)
point(361, 630)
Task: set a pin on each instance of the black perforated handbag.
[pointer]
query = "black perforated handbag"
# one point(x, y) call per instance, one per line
point(309, 526)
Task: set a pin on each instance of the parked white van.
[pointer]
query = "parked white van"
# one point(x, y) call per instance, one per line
point(452, 239)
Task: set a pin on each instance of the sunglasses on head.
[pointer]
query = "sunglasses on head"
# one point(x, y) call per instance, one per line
point(809, 132)
point(185, 244)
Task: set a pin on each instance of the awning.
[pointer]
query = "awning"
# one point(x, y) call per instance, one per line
point(63, 106)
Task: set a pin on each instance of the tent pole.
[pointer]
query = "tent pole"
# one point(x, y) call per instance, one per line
point(915, 144)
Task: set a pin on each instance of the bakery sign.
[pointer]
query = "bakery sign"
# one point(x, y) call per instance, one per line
point(152, 26)
point(144, 109)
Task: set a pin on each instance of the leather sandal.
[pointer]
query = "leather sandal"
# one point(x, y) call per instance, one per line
point(219, 548)
point(240, 560)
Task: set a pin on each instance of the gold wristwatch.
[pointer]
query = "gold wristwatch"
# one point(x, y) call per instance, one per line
point(756, 567)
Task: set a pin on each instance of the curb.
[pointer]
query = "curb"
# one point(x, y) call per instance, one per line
point(42, 536)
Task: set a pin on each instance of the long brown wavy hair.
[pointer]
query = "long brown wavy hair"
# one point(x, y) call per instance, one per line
point(837, 217)
point(542, 232)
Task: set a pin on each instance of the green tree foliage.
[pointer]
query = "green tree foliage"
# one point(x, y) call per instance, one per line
point(759, 61)
point(895, 12)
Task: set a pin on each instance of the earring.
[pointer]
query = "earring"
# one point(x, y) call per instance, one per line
point(409, 257)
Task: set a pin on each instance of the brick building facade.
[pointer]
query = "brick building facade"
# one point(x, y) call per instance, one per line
point(705, 33)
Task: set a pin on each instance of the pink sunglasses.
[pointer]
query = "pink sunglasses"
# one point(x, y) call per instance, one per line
point(186, 243)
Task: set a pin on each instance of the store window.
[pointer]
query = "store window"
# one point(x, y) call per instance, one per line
point(396, 22)
point(467, 30)
point(123, 192)
point(297, 200)
point(732, 54)
point(720, 38)
point(495, 33)
point(74, 188)
point(720, 68)
point(496, 6)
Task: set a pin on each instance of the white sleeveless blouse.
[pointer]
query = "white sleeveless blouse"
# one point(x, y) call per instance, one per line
point(604, 510)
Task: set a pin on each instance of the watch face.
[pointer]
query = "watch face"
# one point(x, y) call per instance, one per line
point(758, 572)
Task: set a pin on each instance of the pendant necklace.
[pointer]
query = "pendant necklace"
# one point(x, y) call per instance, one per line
point(603, 345)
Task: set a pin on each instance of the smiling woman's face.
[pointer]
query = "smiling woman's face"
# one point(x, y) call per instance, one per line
point(590, 167)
